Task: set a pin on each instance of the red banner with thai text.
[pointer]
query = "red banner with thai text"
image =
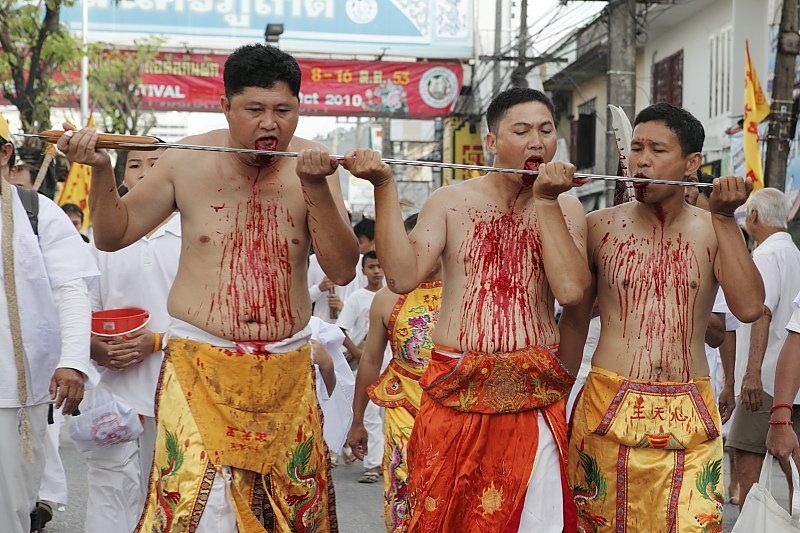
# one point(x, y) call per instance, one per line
point(193, 82)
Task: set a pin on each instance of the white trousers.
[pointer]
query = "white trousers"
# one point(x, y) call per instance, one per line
point(543, 511)
point(53, 489)
point(373, 423)
point(117, 481)
point(219, 514)
point(20, 478)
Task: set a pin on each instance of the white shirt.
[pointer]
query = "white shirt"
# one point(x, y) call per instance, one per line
point(778, 261)
point(354, 318)
point(337, 408)
point(794, 321)
point(139, 275)
point(41, 265)
point(320, 298)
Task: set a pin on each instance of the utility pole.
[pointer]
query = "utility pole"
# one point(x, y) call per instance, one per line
point(519, 76)
point(621, 75)
point(498, 43)
point(782, 97)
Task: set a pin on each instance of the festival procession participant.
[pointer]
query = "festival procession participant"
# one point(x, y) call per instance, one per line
point(239, 338)
point(335, 383)
point(645, 434)
point(758, 345)
point(405, 322)
point(44, 335)
point(355, 322)
point(784, 419)
point(495, 388)
point(328, 298)
point(140, 276)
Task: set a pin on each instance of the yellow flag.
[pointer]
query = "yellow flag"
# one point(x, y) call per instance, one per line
point(76, 187)
point(756, 109)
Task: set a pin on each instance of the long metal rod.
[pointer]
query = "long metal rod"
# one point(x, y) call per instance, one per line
point(433, 164)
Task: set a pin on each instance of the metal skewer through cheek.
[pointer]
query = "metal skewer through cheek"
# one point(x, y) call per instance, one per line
point(432, 164)
point(121, 144)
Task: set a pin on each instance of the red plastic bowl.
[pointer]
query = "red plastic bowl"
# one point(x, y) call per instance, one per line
point(113, 322)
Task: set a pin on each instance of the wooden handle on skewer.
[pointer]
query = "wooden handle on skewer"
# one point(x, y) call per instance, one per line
point(106, 140)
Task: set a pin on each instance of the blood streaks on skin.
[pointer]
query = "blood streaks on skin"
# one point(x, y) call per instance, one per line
point(253, 294)
point(651, 276)
point(503, 266)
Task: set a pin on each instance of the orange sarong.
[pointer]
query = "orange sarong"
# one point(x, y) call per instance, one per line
point(475, 438)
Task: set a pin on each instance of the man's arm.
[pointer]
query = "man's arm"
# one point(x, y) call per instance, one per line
point(333, 239)
point(734, 267)
point(715, 332)
point(406, 259)
point(562, 229)
point(369, 369)
point(751, 382)
point(118, 222)
point(573, 328)
point(781, 439)
point(727, 353)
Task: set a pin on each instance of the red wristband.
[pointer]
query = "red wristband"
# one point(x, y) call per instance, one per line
point(779, 406)
point(780, 422)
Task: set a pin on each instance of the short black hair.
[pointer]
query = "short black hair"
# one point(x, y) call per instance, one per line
point(260, 65)
point(365, 227)
point(410, 222)
point(369, 255)
point(689, 130)
point(511, 97)
point(73, 209)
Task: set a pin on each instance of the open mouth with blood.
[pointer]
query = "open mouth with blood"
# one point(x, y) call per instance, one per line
point(532, 163)
point(640, 186)
point(266, 143)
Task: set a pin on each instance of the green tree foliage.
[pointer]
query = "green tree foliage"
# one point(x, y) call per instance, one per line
point(37, 48)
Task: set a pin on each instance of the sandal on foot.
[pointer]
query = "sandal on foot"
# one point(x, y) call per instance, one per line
point(369, 477)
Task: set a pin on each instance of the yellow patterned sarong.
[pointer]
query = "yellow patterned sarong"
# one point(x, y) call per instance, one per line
point(255, 413)
point(646, 456)
point(409, 328)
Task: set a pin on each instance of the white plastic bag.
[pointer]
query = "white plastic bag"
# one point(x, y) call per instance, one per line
point(761, 513)
point(104, 421)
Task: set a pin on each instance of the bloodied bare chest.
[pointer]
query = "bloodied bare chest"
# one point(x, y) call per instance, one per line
point(504, 284)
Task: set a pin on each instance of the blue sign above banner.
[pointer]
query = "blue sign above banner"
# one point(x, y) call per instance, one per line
point(410, 28)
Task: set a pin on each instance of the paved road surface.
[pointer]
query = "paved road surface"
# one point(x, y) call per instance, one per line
point(359, 505)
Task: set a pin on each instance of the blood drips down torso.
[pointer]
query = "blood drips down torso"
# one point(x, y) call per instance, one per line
point(496, 297)
point(655, 285)
point(242, 274)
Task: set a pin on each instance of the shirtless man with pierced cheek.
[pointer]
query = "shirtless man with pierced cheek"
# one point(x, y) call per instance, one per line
point(506, 248)
point(646, 430)
point(239, 303)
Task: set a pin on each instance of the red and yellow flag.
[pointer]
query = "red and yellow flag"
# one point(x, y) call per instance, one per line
point(756, 109)
point(76, 187)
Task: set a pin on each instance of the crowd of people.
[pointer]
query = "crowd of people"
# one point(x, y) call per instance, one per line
point(427, 347)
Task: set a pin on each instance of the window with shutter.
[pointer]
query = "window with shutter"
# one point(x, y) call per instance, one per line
point(667, 83)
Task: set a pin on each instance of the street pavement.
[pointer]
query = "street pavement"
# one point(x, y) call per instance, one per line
point(359, 505)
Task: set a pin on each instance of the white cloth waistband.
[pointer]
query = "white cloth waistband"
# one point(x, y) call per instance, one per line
point(179, 328)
